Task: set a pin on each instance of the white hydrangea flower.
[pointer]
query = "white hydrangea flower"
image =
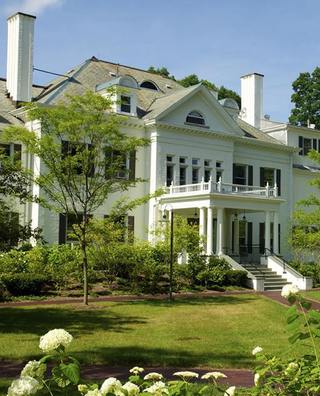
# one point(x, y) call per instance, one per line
point(153, 377)
point(94, 392)
point(213, 375)
point(230, 391)
point(289, 290)
point(111, 385)
point(25, 386)
point(34, 369)
point(159, 388)
point(256, 350)
point(186, 374)
point(131, 388)
point(136, 370)
point(53, 339)
point(256, 379)
point(292, 368)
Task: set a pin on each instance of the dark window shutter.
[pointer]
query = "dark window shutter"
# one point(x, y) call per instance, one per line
point(130, 228)
point(314, 144)
point(261, 237)
point(232, 236)
point(233, 173)
point(132, 165)
point(62, 228)
point(279, 181)
point(250, 175)
point(279, 243)
point(17, 152)
point(249, 237)
point(301, 145)
point(262, 183)
point(64, 148)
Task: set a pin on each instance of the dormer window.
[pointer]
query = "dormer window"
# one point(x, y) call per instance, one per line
point(125, 106)
point(149, 85)
point(194, 117)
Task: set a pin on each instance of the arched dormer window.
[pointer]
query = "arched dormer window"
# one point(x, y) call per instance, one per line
point(149, 85)
point(128, 81)
point(194, 117)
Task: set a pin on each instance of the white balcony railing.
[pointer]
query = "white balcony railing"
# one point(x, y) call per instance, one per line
point(223, 188)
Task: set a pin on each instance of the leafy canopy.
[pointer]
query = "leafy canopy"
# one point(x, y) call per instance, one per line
point(306, 99)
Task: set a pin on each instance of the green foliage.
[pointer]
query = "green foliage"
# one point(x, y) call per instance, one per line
point(282, 377)
point(306, 220)
point(228, 93)
point(76, 146)
point(162, 71)
point(24, 284)
point(308, 269)
point(306, 99)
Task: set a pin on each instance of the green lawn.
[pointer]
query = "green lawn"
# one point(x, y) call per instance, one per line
point(313, 294)
point(215, 332)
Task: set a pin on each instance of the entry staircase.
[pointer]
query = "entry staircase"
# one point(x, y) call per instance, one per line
point(272, 281)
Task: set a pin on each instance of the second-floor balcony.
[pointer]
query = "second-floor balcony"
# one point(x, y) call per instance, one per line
point(221, 187)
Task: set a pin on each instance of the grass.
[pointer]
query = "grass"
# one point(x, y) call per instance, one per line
point(212, 332)
point(313, 294)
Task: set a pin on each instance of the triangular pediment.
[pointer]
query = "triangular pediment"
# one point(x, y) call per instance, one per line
point(173, 109)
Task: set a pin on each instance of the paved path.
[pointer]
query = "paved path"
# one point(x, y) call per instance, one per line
point(276, 296)
point(97, 372)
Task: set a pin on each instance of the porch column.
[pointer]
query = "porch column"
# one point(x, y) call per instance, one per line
point(276, 232)
point(236, 236)
point(220, 231)
point(209, 231)
point(267, 233)
point(202, 223)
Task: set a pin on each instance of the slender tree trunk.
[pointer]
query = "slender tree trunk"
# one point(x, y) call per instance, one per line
point(85, 272)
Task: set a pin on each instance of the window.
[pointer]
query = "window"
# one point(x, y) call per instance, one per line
point(243, 174)
point(218, 164)
point(182, 175)
point(207, 170)
point(219, 170)
point(271, 176)
point(11, 150)
point(195, 161)
point(169, 175)
point(149, 85)
point(194, 117)
point(195, 175)
point(307, 144)
point(120, 165)
point(125, 104)
point(219, 175)
point(169, 158)
point(70, 149)
point(182, 160)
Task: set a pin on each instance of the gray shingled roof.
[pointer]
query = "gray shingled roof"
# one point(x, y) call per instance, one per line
point(256, 133)
point(93, 72)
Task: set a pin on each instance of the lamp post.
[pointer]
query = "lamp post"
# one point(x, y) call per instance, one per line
point(171, 252)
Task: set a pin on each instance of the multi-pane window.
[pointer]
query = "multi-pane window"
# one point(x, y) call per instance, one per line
point(270, 176)
point(240, 174)
point(83, 155)
point(195, 170)
point(219, 170)
point(207, 170)
point(170, 170)
point(307, 144)
point(117, 164)
point(11, 150)
point(182, 171)
point(125, 104)
point(194, 117)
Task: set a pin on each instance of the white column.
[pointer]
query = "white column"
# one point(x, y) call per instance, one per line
point(201, 222)
point(236, 236)
point(220, 231)
point(276, 232)
point(267, 233)
point(209, 231)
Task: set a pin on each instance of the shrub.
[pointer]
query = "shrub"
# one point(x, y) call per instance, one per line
point(236, 278)
point(308, 269)
point(24, 284)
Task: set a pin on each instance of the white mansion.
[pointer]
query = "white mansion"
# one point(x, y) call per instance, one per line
point(236, 172)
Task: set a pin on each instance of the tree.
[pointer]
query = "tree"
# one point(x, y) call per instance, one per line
point(306, 222)
point(83, 154)
point(14, 184)
point(228, 93)
point(193, 79)
point(306, 99)
point(163, 71)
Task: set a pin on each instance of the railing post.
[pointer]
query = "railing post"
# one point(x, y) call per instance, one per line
point(171, 188)
point(219, 184)
point(202, 184)
point(267, 190)
point(275, 191)
point(210, 185)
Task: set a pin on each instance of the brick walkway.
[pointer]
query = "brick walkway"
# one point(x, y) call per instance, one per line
point(276, 296)
point(97, 372)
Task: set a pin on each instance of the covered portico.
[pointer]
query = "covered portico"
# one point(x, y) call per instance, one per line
point(219, 213)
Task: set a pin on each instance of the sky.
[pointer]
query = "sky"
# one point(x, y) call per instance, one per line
point(219, 40)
